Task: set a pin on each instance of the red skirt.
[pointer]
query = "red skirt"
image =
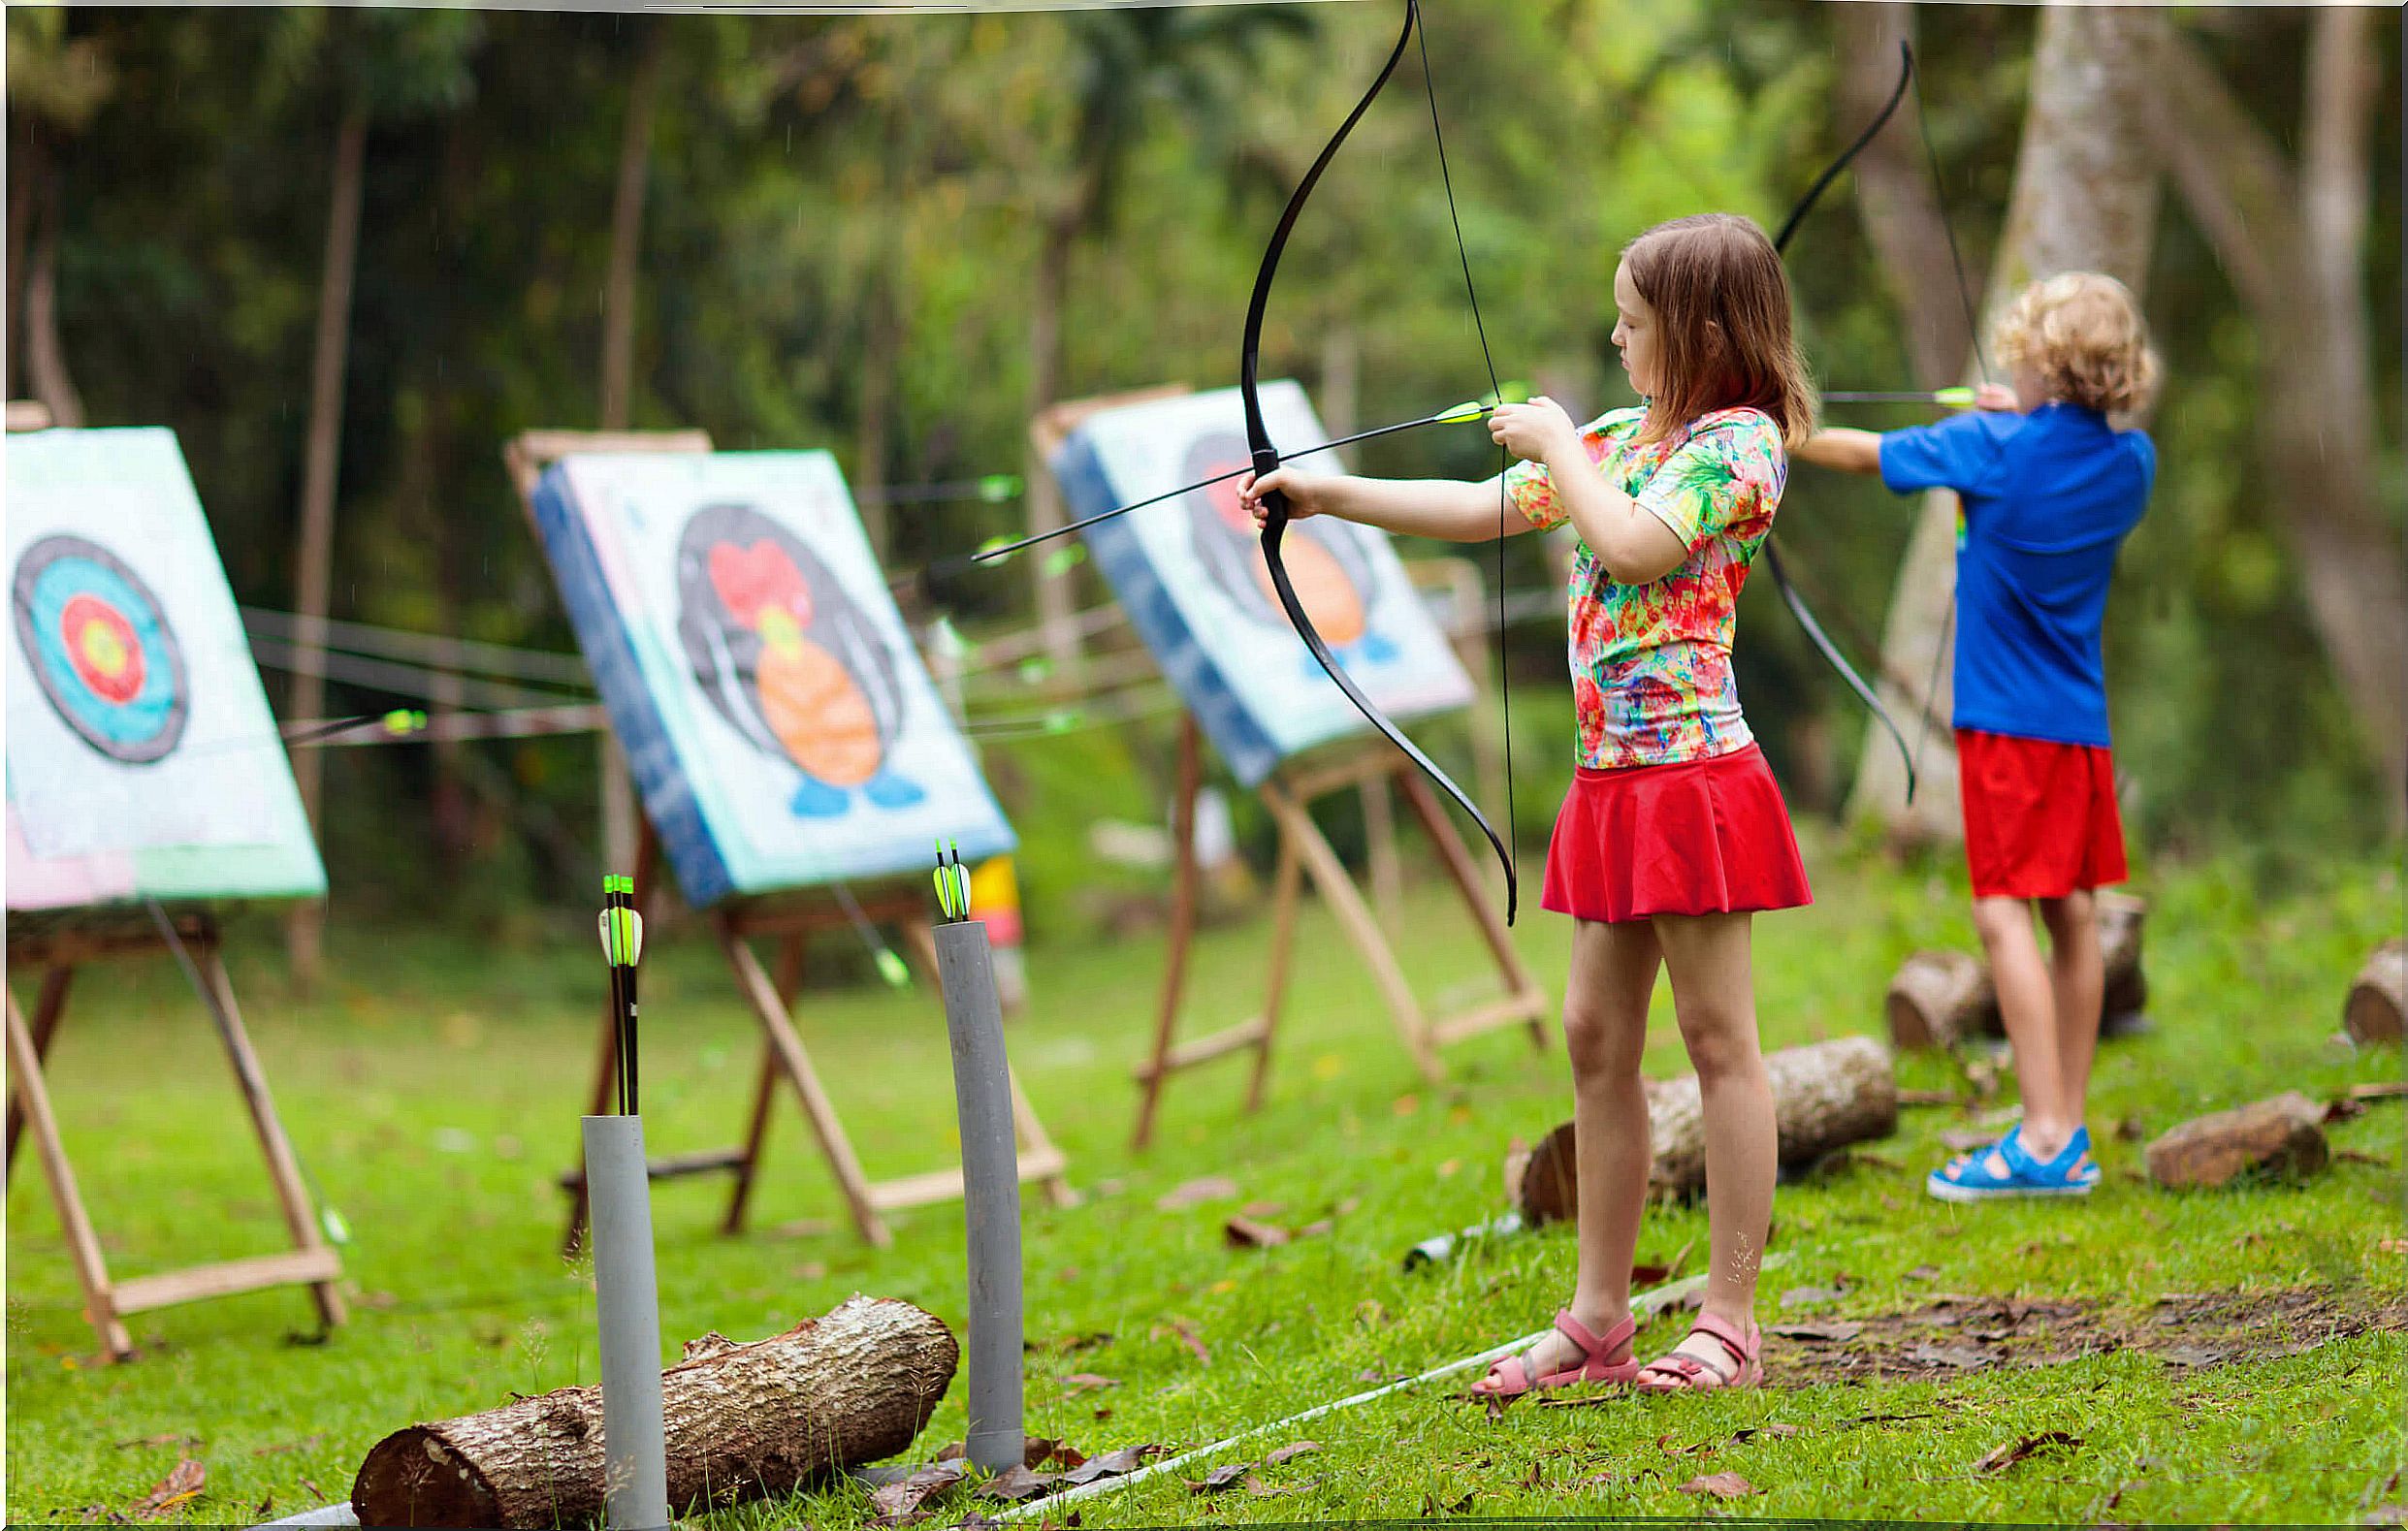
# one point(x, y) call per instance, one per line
point(1695, 836)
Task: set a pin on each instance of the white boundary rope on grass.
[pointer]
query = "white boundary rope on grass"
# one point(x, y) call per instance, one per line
point(1645, 1305)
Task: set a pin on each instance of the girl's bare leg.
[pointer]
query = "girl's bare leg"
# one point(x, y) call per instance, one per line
point(1605, 1005)
point(2077, 977)
point(1713, 996)
point(2028, 1004)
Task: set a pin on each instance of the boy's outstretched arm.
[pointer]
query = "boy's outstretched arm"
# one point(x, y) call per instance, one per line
point(1848, 451)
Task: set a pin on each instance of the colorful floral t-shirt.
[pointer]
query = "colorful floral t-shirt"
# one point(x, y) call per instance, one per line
point(1651, 679)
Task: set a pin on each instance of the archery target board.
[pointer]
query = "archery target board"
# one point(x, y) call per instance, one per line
point(143, 761)
point(776, 717)
point(1191, 575)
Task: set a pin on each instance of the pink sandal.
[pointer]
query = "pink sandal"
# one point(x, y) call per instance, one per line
point(1510, 1377)
point(1681, 1372)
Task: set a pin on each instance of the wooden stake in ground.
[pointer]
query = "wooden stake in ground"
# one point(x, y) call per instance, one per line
point(1825, 1095)
point(2378, 1001)
point(744, 1421)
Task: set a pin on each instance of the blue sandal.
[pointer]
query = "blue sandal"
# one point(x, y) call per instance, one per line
point(2007, 1170)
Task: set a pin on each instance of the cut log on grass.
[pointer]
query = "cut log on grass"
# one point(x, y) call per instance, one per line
point(1825, 1097)
point(2284, 1135)
point(2378, 1002)
point(1942, 998)
point(1937, 1000)
point(744, 1421)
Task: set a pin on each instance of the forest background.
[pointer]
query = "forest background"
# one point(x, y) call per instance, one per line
point(348, 254)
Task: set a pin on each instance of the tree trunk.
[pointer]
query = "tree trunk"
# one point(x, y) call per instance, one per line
point(2294, 244)
point(618, 380)
point(1825, 1097)
point(2085, 199)
point(45, 357)
point(881, 347)
point(744, 1421)
point(25, 172)
point(1055, 594)
point(2378, 1001)
point(626, 231)
point(1905, 218)
point(305, 927)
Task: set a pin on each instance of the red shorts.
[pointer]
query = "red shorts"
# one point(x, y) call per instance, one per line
point(1695, 836)
point(2039, 817)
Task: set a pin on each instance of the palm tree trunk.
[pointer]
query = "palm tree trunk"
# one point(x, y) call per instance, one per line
point(2294, 243)
point(2086, 198)
point(304, 928)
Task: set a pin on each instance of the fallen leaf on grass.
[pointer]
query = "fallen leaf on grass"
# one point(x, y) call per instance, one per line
point(1954, 1355)
point(1045, 1452)
point(2196, 1355)
point(1431, 1509)
point(1186, 1334)
point(2387, 1515)
point(1835, 1331)
point(1016, 1483)
point(1229, 1476)
point(302, 1445)
point(1086, 1382)
point(1211, 1188)
point(1886, 1418)
point(2015, 1450)
point(179, 1487)
point(1721, 1485)
point(1923, 1273)
point(2356, 1157)
point(1775, 1429)
point(1113, 1464)
point(1810, 1297)
point(174, 1438)
point(901, 1504)
point(1244, 1232)
point(1290, 1452)
point(1263, 1490)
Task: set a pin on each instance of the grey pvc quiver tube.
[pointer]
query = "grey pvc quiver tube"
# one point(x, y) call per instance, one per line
point(990, 1164)
point(634, 1451)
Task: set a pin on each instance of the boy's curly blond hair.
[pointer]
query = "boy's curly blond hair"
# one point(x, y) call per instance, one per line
point(2083, 335)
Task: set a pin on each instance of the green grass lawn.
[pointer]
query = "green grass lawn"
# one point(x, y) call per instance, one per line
point(433, 1089)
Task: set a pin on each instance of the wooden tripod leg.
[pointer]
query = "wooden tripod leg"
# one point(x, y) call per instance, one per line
point(1034, 1141)
point(795, 1063)
point(1284, 885)
point(765, 1088)
point(1345, 900)
point(923, 940)
point(1456, 857)
point(1182, 930)
point(284, 1168)
point(82, 1244)
point(46, 1013)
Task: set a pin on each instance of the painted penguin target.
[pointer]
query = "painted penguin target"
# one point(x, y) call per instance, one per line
point(142, 758)
point(774, 711)
point(1191, 575)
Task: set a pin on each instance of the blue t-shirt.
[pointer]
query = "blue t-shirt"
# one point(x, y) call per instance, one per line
point(2048, 498)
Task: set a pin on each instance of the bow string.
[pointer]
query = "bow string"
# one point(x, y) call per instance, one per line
point(1265, 455)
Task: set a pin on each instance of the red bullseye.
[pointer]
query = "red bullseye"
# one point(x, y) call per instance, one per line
point(100, 644)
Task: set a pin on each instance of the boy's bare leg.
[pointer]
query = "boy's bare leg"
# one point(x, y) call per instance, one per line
point(2028, 1003)
point(2077, 977)
point(1605, 1005)
point(1713, 996)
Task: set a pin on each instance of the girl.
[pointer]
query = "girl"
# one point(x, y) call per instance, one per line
point(2050, 488)
point(1674, 832)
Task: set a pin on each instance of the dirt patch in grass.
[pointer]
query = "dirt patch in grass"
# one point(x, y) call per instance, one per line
point(1958, 1336)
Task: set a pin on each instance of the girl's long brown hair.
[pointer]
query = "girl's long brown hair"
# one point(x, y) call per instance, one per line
point(1722, 302)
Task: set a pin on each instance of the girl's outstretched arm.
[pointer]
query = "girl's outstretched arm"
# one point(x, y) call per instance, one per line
point(1449, 510)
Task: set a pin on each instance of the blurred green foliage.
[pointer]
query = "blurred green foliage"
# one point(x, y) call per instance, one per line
point(805, 170)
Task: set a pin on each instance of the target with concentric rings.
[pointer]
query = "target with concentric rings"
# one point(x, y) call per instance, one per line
point(101, 649)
